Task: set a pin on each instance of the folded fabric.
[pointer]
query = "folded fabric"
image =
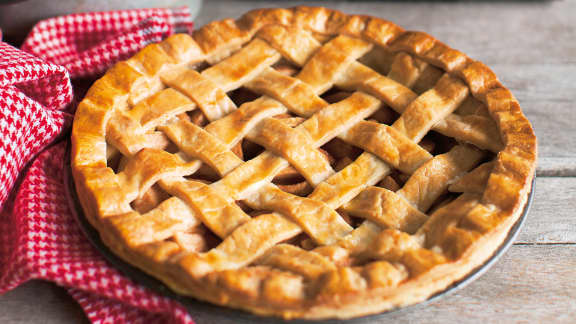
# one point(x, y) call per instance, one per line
point(39, 237)
point(33, 99)
point(87, 44)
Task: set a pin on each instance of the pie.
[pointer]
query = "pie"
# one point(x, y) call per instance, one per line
point(303, 163)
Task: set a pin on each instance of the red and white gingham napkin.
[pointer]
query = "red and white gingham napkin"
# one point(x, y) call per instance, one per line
point(39, 238)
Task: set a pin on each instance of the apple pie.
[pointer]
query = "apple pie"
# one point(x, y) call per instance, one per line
point(303, 163)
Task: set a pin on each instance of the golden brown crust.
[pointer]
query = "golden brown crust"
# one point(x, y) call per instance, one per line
point(336, 276)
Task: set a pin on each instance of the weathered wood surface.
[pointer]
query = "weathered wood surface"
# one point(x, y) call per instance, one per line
point(551, 218)
point(532, 48)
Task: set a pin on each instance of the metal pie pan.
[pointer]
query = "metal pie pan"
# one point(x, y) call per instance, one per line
point(221, 314)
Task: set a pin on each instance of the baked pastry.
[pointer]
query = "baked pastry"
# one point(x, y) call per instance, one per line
point(303, 163)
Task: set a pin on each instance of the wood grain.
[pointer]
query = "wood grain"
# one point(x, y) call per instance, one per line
point(551, 218)
point(556, 166)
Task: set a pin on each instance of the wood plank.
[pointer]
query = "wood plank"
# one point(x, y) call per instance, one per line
point(532, 283)
point(536, 82)
point(551, 218)
point(556, 167)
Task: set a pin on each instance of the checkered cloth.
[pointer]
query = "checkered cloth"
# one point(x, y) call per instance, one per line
point(39, 238)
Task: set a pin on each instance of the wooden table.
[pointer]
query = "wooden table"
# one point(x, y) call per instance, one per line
point(532, 48)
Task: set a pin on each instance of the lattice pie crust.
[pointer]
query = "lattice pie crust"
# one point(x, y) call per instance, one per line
point(302, 163)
